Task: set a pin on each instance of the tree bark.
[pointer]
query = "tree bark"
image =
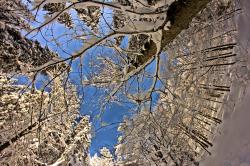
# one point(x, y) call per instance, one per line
point(180, 14)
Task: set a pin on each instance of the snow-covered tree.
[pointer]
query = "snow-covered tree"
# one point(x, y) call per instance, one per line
point(106, 158)
point(19, 54)
point(134, 19)
point(179, 130)
point(39, 127)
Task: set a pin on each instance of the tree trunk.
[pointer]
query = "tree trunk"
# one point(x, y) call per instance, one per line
point(180, 14)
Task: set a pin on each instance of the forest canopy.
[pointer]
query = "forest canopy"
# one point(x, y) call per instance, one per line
point(66, 64)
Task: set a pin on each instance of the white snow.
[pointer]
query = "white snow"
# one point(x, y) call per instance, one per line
point(232, 143)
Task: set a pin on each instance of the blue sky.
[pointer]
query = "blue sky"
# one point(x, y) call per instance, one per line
point(105, 136)
point(114, 113)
